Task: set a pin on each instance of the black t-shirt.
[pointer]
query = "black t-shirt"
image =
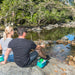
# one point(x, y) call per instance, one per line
point(21, 49)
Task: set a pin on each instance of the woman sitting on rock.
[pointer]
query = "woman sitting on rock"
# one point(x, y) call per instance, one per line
point(7, 37)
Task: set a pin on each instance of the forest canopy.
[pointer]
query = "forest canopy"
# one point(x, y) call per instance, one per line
point(35, 12)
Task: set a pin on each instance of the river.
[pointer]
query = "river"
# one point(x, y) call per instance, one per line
point(60, 51)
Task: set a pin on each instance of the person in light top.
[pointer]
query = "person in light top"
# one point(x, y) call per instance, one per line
point(7, 37)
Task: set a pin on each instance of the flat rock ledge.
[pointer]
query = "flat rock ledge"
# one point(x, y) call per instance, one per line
point(54, 67)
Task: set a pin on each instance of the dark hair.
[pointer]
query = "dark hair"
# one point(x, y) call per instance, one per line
point(20, 30)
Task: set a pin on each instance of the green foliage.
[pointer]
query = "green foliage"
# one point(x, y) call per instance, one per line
point(34, 12)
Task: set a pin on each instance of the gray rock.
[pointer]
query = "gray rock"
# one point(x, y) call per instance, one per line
point(54, 67)
point(13, 69)
point(36, 29)
point(49, 27)
point(64, 38)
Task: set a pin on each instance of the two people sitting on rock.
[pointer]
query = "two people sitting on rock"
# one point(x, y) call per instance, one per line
point(21, 48)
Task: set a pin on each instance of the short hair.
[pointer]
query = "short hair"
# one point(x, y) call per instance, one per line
point(20, 30)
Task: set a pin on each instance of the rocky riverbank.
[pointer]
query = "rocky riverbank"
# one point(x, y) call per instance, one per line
point(51, 26)
point(54, 67)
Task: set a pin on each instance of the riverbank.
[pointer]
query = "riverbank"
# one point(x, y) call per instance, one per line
point(54, 67)
point(46, 27)
point(51, 26)
point(47, 32)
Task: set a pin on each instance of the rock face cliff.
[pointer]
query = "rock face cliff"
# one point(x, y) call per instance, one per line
point(54, 67)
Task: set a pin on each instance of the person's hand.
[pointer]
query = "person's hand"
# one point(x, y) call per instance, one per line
point(3, 62)
point(43, 46)
point(38, 47)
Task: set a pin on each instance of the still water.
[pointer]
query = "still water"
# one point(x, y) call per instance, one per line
point(53, 34)
point(60, 51)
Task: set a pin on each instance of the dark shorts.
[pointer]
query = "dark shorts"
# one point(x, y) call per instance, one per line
point(33, 56)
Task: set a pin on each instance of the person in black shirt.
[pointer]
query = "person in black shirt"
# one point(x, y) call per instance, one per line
point(21, 48)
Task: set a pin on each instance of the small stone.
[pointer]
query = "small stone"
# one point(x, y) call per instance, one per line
point(67, 59)
point(53, 64)
point(74, 58)
point(69, 42)
point(63, 69)
point(71, 57)
point(63, 74)
point(62, 50)
point(71, 63)
point(55, 71)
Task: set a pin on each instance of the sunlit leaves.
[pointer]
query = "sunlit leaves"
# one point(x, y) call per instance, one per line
point(35, 12)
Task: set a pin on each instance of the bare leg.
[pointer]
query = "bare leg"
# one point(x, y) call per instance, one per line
point(41, 53)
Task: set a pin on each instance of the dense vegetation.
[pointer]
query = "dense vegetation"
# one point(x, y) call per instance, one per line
point(34, 12)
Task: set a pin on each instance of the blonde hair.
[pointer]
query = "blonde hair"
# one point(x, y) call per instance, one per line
point(7, 31)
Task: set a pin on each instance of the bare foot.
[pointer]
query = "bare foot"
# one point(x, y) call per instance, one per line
point(3, 62)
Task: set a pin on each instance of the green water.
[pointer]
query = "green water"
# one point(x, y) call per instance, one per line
point(53, 34)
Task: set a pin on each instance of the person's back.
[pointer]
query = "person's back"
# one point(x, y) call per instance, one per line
point(21, 49)
point(4, 45)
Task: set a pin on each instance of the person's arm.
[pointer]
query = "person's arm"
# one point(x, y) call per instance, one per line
point(0, 47)
point(0, 44)
point(38, 47)
point(6, 55)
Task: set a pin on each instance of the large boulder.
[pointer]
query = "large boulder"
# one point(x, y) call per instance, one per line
point(54, 67)
point(13, 69)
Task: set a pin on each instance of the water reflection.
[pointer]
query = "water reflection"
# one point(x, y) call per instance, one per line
point(54, 34)
point(60, 51)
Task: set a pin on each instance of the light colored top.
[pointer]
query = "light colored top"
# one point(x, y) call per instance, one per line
point(4, 45)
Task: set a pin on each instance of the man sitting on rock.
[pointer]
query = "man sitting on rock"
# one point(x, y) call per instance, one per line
point(21, 48)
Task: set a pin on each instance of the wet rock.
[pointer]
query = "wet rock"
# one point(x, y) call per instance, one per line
point(67, 58)
point(63, 74)
point(71, 60)
point(36, 29)
point(49, 27)
point(73, 43)
point(70, 24)
point(68, 47)
point(71, 57)
point(59, 41)
point(69, 42)
point(71, 63)
point(29, 30)
point(62, 50)
point(13, 69)
point(74, 58)
point(64, 38)
point(56, 25)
